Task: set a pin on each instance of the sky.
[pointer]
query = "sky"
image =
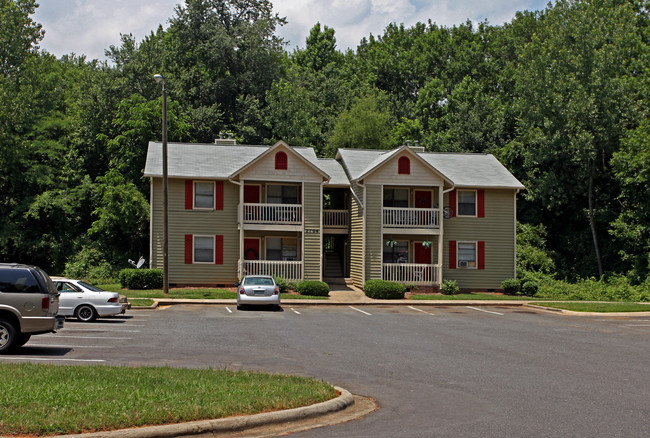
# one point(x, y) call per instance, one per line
point(89, 27)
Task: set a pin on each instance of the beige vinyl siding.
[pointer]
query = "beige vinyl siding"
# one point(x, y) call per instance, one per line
point(373, 240)
point(312, 204)
point(297, 169)
point(421, 174)
point(356, 238)
point(496, 229)
point(197, 222)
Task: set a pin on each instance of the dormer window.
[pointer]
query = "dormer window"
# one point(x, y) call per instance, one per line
point(281, 161)
point(404, 166)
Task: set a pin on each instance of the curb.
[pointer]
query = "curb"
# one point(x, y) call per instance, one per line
point(231, 424)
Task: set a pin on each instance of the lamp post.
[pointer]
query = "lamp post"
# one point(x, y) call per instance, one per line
point(159, 79)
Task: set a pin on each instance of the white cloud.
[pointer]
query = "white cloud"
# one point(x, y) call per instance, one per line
point(91, 26)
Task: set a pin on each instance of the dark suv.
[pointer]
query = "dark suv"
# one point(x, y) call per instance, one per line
point(29, 303)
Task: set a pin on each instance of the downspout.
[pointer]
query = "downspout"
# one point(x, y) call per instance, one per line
point(322, 257)
point(515, 234)
point(151, 228)
point(363, 233)
point(441, 248)
point(240, 216)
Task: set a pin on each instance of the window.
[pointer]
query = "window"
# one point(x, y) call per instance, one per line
point(204, 195)
point(466, 203)
point(203, 249)
point(281, 161)
point(404, 166)
point(396, 198)
point(281, 248)
point(467, 254)
point(66, 287)
point(398, 252)
point(277, 194)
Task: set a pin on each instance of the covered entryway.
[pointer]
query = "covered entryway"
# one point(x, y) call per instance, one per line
point(336, 259)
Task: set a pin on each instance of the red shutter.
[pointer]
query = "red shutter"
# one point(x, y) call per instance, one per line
point(189, 194)
point(218, 195)
point(404, 166)
point(281, 161)
point(218, 249)
point(452, 254)
point(452, 202)
point(481, 254)
point(189, 250)
point(480, 201)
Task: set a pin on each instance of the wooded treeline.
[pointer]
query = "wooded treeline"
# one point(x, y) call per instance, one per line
point(560, 96)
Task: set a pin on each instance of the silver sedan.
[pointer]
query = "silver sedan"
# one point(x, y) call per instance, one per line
point(86, 302)
point(258, 289)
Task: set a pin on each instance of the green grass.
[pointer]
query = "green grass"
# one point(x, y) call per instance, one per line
point(141, 302)
point(191, 293)
point(598, 307)
point(41, 399)
point(472, 296)
point(301, 297)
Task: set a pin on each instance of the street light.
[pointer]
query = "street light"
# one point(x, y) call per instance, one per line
point(159, 79)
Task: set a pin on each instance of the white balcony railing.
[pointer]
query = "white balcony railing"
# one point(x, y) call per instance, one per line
point(395, 217)
point(410, 273)
point(290, 270)
point(288, 214)
point(336, 218)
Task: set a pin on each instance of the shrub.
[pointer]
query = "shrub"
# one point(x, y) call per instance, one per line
point(141, 278)
point(449, 287)
point(282, 283)
point(529, 287)
point(89, 264)
point(382, 289)
point(314, 288)
point(511, 286)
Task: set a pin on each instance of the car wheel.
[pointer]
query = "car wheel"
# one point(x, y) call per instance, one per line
point(85, 313)
point(7, 336)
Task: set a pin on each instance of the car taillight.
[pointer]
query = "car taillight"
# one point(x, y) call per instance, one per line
point(112, 300)
point(45, 303)
point(276, 291)
point(241, 291)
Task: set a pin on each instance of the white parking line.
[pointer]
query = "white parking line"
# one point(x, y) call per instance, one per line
point(68, 346)
point(420, 310)
point(49, 358)
point(637, 325)
point(228, 309)
point(85, 330)
point(486, 311)
point(294, 311)
point(359, 310)
point(59, 335)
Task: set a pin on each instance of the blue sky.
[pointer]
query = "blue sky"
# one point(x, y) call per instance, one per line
point(91, 26)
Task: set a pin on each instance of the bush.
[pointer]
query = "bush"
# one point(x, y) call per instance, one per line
point(511, 286)
point(449, 287)
point(88, 264)
point(141, 278)
point(282, 284)
point(314, 288)
point(382, 289)
point(529, 287)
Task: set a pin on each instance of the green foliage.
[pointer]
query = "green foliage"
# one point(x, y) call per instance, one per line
point(282, 283)
point(385, 290)
point(89, 263)
point(449, 287)
point(141, 278)
point(529, 287)
point(315, 288)
point(613, 288)
point(531, 249)
point(511, 286)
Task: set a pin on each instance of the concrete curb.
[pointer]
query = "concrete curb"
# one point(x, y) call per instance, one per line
point(231, 424)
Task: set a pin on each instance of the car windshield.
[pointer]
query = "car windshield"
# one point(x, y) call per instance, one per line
point(89, 287)
point(258, 281)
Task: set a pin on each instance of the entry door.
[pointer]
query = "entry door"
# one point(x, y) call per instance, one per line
point(423, 198)
point(251, 249)
point(422, 253)
point(251, 193)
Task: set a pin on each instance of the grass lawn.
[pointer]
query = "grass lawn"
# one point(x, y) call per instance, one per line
point(598, 307)
point(41, 399)
point(141, 302)
point(471, 296)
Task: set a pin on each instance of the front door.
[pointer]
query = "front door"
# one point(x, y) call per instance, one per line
point(251, 249)
point(251, 193)
point(423, 198)
point(422, 253)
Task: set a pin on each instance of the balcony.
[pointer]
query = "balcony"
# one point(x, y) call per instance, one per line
point(410, 273)
point(336, 220)
point(291, 270)
point(270, 216)
point(411, 218)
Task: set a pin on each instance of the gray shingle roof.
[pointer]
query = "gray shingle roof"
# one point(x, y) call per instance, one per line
point(336, 172)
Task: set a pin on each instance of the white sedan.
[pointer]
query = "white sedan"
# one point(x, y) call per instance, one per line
point(86, 302)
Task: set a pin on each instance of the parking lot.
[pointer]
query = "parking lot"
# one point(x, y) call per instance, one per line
point(435, 371)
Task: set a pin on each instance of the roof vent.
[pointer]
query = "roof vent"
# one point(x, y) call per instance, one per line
point(223, 141)
point(408, 143)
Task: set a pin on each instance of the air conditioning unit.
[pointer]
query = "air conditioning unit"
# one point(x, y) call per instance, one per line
point(463, 264)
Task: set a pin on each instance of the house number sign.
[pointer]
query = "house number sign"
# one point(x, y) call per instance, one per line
point(312, 230)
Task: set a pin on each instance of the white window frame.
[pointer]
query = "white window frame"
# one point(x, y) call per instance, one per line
point(194, 261)
point(282, 238)
point(458, 259)
point(194, 195)
point(409, 250)
point(475, 203)
point(404, 188)
point(299, 195)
